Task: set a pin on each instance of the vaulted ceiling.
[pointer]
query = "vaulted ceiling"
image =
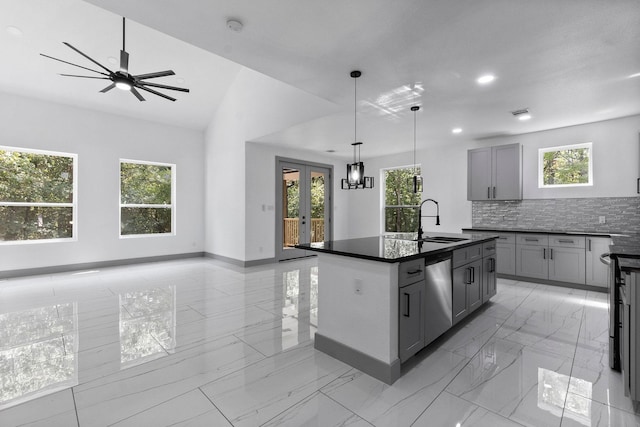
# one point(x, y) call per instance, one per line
point(568, 62)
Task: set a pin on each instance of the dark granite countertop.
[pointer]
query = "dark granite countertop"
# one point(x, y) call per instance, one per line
point(542, 231)
point(625, 246)
point(394, 248)
point(629, 264)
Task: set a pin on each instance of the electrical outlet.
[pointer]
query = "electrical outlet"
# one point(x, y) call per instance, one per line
point(601, 219)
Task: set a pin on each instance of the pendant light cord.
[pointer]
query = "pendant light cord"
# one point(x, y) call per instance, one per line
point(355, 116)
point(414, 142)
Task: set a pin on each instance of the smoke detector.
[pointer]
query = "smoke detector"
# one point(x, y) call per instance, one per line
point(234, 25)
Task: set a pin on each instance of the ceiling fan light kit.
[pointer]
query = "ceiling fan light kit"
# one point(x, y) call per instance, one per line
point(122, 79)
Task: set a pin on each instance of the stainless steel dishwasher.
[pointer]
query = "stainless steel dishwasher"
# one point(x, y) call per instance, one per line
point(438, 297)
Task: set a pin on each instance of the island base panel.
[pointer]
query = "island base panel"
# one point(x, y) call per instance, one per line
point(387, 373)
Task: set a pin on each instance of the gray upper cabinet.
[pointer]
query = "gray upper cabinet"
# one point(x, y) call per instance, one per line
point(495, 173)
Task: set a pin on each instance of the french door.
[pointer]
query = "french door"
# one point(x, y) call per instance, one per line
point(303, 198)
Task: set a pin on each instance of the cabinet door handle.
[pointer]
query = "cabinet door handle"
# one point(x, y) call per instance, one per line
point(488, 192)
point(638, 186)
point(551, 257)
point(530, 239)
point(491, 248)
point(412, 272)
point(589, 245)
point(408, 305)
point(492, 265)
point(565, 241)
point(473, 274)
point(544, 253)
point(467, 276)
point(494, 192)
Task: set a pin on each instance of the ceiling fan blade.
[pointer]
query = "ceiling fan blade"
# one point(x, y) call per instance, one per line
point(75, 65)
point(124, 61)
point(154, 75)
point(85, 77)
point(164, 86)
point(108, 88)
point(89, 58)
point(137, 94)
point(156, 92)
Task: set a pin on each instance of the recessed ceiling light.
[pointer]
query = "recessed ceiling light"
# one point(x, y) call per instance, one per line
point(331, 151)
point(456, 130)
point(522, 114)
point(487, 78)
point(14, 31)
point(634, 75)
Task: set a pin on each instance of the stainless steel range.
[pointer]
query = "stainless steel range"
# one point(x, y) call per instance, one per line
point(615, 311)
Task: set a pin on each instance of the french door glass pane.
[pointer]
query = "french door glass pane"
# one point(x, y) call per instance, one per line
point(318, 180)
point(290, 207)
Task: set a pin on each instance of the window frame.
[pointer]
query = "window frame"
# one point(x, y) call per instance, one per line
point(144, 205)
point(541, 153)
point(73, 205)
point(383, 204)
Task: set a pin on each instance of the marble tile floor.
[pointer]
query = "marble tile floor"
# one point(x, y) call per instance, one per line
point(203, 343)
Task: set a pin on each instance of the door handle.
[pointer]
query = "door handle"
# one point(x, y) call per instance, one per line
point(489, 191)
point(494, 192)
point(638, 186)
point(473, 275)
point(589, 245)
point(565, 241)
point(467, 276)
point(408, 302)
point(551, 257)
point(544, 253)
point(412, 272)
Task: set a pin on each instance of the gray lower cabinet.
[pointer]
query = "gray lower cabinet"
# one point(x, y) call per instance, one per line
point(597, 273)
point(554, 257)
point(466, 281)
point(489, 262)
point(566, 264)
point(411, 323)
point(531, 256)
point(506, 254)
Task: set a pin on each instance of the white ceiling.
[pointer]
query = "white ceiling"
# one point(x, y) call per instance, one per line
point(568, 61)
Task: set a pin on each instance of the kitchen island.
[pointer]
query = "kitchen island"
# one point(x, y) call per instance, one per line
point(382, 299)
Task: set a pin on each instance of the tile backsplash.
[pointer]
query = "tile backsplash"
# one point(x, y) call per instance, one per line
point(622, 214)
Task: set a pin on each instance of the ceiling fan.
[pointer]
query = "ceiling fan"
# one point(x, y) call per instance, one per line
point(122, 79)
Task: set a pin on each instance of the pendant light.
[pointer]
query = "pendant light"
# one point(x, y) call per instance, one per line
point(355, 171)
point(417, 179)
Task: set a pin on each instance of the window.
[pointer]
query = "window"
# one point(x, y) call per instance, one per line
point(146, 198)
point(569, 165)
point(37, 191)
point(400, 202)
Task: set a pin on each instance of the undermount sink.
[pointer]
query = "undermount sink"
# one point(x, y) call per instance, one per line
point(441, 239)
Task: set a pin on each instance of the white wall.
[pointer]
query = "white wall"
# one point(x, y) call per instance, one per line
point(101, 140)
point(616, 157)
point(616, 163)
point(261, 191)
point(445, 180)
point(255, 105)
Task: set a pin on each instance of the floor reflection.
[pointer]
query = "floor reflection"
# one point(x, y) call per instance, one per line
point(38, 352)
point(299, 306)
point(147, 325)
point(552, 393)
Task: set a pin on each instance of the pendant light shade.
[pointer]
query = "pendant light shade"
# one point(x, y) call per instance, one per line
point(355, 171)
point(417, 179)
